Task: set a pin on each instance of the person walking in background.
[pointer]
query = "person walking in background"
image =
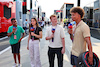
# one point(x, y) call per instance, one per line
point(96, 24)
point(14, 32)
point(80, 36)
point(35, 33)
point(56, 36)
point(25, 26)
point(42, 24)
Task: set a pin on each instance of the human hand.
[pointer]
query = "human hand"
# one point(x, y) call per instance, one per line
point(32, 33)
point(70, 31)
point(90, 60)
point(63, 50)
point(13, 30)
point(20, 40)
point(52, 36)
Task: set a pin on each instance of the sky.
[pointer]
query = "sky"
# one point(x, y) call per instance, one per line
point(49, 6)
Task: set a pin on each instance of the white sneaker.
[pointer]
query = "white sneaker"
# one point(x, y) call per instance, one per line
point(19, 65)
point(15, 65)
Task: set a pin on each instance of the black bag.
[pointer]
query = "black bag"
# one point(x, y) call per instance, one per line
point(83, 60)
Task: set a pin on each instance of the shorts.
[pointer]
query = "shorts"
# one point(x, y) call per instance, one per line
point(74, 60)
point(15, 48)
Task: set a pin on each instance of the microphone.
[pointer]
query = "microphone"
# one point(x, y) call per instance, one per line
point(32, 30)
point(53, 31)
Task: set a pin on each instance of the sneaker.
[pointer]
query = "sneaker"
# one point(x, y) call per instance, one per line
point(19, 65)
point(15, 65)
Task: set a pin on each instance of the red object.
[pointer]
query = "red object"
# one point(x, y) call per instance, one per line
point(32, 29)
point(24, 3)
point(70, 26)
point(53, 31)
point(85, 60)
point(14, 28)
point(58, 11)
point(4, 22)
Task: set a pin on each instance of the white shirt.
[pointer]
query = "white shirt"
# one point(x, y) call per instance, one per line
point(58, 35)
point(25, 24)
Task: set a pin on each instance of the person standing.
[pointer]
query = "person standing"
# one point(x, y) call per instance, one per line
point(35, 33)
point(80, 36)
point(42, 24)
point(14, 32)
point(25, 25)
point(56, 36)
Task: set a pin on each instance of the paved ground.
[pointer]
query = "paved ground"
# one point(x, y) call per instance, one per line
point(95, 32)
point(6, 58)
point(4, 42)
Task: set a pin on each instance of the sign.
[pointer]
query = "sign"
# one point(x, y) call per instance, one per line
point(58, 10)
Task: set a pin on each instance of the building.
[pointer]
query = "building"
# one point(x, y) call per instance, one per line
point(58, 13)
point(88, 17)
point(96, 13)
point(66, 10)
point(43, 16)
point(39, 13)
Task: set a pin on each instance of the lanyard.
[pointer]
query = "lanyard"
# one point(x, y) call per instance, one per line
point(15, 31)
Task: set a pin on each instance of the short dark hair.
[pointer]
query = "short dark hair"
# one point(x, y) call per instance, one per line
point(13, 19)
point(78, 10)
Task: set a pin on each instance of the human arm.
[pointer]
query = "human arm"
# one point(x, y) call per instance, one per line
point(86, 35)
point(62, 35)
point(63, 43)
point(23, 34)
point(38, 36)
point(10, 33)
point(49, 37)
point(90, 58)
point(22, 37)
point(28, 41)
point(70, 33)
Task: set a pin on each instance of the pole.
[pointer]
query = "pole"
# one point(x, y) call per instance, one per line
point(24, 5)
point(31, 13)
point(78, 4)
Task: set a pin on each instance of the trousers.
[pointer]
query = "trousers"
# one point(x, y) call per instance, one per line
point(34, 53)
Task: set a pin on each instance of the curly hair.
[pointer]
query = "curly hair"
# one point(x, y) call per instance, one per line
point(78, 10)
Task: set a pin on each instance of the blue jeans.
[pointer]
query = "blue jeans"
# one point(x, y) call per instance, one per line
point(74, 60)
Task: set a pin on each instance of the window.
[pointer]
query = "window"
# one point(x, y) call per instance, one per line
point(20, 15)
point(7, 12)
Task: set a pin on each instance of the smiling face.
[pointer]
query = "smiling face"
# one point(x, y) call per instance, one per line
point(77, 13)
point(33, 22)
point(14, 22)
point(75, 16)
point(54, 20)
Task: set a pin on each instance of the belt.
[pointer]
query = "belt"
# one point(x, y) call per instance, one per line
point(36, 39)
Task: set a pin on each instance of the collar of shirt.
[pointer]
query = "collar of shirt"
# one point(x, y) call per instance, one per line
point(77, 26)
point(54, 26)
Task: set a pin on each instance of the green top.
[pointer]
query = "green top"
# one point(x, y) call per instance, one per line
point(18, 32)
